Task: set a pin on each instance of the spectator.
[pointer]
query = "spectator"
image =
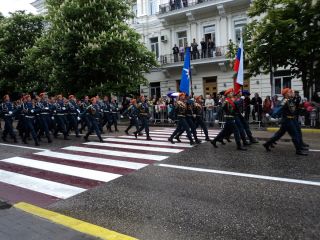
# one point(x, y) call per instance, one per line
point(185, 3)
point(211, 48)
point(175, 50)
point(203, 49)
point(275, 102)
point(209, 104)
point(195, 51)
point(181, 49)
point(256, 101)
point(266, 108)
point(246, 105)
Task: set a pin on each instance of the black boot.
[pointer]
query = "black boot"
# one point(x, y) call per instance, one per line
point(178, 139)
point(207, 139)
point(126, 131)
point(239, 147)
point(15, 139)
point(253, 140)
point(101, 140)
point(228, 140)
point(149, 138)
point(267, 146)
point(221, 141)
point(305, 145)
point(192, 142)
point(86, 137)
point(214, 143)
point(4, 138)
point(170, 139)
point(198, 141)
point(135, 134)
point(36, 143)
point(299, 152)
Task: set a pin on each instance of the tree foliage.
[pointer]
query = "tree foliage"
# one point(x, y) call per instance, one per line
point(286, 34)
point(89, 48)
point(18, 32)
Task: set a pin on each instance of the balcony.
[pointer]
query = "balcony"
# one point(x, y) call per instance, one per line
point(179, 10)
point(173, 60)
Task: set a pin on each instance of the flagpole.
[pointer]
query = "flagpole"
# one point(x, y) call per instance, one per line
point(190, 75)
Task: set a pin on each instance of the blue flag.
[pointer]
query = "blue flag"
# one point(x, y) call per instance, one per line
point(185, 76)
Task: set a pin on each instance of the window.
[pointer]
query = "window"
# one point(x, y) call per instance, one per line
point(282, 79)
point(209, 33)
point(155, 89)
point(238, 29)
point(152, 6)
point(154, 45)
point(135, 9)
point(182, 38)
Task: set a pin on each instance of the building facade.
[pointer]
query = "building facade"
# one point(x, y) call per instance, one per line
point(164, 23)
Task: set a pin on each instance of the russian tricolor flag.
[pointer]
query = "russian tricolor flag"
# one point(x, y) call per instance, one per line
point(238, 68)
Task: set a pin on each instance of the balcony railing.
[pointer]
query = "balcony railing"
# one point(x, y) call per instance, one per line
point(174, 5)
point(216, 53)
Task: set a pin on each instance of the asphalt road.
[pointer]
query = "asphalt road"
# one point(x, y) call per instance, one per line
point(159, 202)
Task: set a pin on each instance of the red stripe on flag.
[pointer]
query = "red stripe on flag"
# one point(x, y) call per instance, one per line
point(236, 65)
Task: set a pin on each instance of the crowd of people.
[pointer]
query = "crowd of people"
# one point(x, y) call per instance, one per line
point(207, 48)
point(43, 116)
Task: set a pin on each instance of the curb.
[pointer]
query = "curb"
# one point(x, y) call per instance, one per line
point(304, 130)
point(72, 223)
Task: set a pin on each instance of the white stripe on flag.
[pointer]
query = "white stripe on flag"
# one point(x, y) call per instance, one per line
point(55, 189)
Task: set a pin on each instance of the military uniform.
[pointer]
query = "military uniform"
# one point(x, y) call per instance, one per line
point(230, 126)
point(73, 112)
point(143, 113)
point(60, 111)
point(30, 111)
point(45, 111)
point(198, 112)
point(8, 112)
point(93, 111)
point(132, 113)
point(182, 125)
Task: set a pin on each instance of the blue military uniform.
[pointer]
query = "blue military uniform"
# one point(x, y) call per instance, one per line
point(132, 113)
point(73, 113)
point(143, 113)
point(45, 112)
point(60, 111)
point(8, 113)
point(93, 111)
point(30, 110)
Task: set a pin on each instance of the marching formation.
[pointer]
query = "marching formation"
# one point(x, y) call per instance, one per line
point(44, 116)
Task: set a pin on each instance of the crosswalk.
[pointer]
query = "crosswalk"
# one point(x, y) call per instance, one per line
point(44, 177)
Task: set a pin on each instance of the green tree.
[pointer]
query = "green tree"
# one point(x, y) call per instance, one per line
point(18, 32)
point(89, 48)
point(285, 34)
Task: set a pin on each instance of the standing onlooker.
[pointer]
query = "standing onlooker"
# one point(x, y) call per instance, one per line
point(175, 50)
point(209, 104)
point(203, 49)
point(209, 47)
point(256, 101)
point(266, 108)
point(246, 105)
point(181, 50)
point(195, 51)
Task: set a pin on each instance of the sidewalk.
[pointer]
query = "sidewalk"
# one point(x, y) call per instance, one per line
point(18, 225)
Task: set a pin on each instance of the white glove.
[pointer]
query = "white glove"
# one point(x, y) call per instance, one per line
point(216, 121)
point(52, 118)
point(10, 112)
point(46, 108)
point(267, 115)
point(242, 97)
point(78, 110)
point(78, 118)
point(194, 115)
point(273, 119)
point(121, 116)
point(63, 108)
point(130, 117)
point(54, 111)
point(32, 111)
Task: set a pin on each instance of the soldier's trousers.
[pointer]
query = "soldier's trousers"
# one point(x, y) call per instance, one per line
point(73, 123)
point(30, 128)
point(200, 122)
point(229, 128)
point(133, 122)
point(61, 122)
point(94, 127)
point(192, 127)
point(45, 122)
point(144, 125)
point(288, 125)
point(182, 126)
point(8, 129)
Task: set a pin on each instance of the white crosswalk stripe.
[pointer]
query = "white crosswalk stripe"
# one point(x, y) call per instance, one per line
point(137, 141)
point(127, 146)
point(117, 153)
point(68, 170)
point(95, 160)
point(39, 185)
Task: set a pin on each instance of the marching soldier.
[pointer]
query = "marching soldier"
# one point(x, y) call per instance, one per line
point(73, 112)
point(107, 118)
point(230, 126)
point(114, 114)
point(94, 117)
point(198, 112)
point(30, 110)
point(45, 115)
point(143, 113)
point(182, 124)
point(60, 117)
point(84, 114)
point(8, 112)
point(288, 124)
point(132, 112)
